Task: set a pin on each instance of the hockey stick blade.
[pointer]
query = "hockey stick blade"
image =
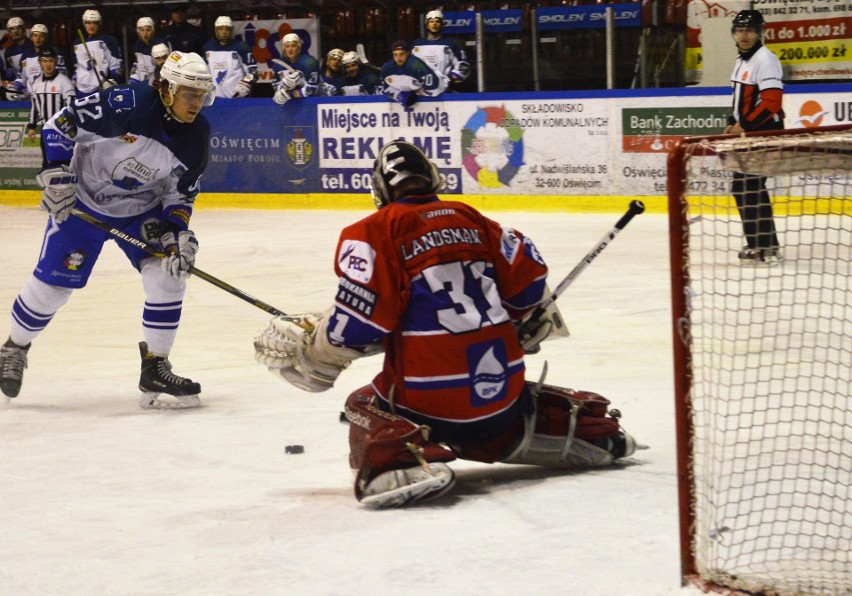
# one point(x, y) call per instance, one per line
point(284, 64)
point(635, 208)
point(141, 244)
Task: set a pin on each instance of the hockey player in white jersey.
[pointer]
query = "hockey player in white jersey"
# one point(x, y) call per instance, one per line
point(231, 62)
point(131, 156)
point(144, 69)
point(444, 55)
point(97, 57)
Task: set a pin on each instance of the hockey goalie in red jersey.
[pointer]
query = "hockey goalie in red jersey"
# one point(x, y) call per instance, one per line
point(443, 291)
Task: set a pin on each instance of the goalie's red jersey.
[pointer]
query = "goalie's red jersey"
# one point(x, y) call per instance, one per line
point(440, 283)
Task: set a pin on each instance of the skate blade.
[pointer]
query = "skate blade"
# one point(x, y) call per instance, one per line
point(430, 487)
point(151, 401)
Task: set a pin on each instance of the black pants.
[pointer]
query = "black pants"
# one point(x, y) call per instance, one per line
point(755, 209)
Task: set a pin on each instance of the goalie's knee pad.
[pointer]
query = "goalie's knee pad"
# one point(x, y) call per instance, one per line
point(380, 442)
point(571, 429)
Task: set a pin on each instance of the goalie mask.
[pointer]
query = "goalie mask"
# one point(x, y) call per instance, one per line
point(187, 70)
point(402, 167)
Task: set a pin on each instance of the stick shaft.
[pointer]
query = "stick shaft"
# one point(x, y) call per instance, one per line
point(636, 207)
point(91, 60)
point(194, 270)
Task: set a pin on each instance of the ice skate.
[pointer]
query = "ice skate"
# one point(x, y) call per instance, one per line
point(397, 488)
point(157, 378)
point(770, 256)
point(13, 361)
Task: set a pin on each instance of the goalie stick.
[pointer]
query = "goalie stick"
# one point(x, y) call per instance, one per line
point(194, 270)
point(635, 208)
point(91, 60)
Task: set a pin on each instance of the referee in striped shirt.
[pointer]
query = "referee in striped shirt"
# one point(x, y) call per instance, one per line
point(50, 92)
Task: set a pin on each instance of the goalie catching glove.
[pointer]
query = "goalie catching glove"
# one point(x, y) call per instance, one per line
point(60, 191)
point(302, 353)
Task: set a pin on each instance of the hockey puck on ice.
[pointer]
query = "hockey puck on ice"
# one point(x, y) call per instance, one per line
point(294, 449)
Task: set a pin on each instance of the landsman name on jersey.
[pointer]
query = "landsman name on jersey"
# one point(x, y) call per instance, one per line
point(437, 238)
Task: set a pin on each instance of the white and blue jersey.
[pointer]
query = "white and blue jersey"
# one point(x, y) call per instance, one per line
point(129, 156)
point(105, 63)
point(144, 70)
point(366, 82)
point(415, 75)
point(444, 56)
point(308, 66)
point(229, 64)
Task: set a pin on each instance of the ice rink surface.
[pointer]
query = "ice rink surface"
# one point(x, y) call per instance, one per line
point(101, 497)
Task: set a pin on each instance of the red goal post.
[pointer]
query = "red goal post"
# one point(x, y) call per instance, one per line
point(763, 365)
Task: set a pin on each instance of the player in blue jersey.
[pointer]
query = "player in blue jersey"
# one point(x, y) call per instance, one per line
point(297, 75)
point(358, 80)
point(332, 75)
point(131, 156)
point(98, 62)
point(406, 77)
point(444, 55)
point(231, 62)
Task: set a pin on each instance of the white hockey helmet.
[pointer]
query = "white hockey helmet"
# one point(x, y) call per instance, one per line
point(402, 164)
point(223, 21)
point(434, 14)
point(350, 58)
point(160, 50)
point(15, 22)
point(145, 22)
point(188, 69)
point(39, 29)
point(335, 53)
point(91, 16)
point(291, 37)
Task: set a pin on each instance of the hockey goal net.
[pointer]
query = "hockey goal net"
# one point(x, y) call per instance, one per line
point(763, 353)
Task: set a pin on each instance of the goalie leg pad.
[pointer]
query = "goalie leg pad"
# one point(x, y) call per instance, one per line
point(571, 429)
point(382, 444)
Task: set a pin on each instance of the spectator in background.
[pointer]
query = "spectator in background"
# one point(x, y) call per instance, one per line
point(159, 53)
point(230, 60)
point(30, 66)
point(296, 75)
point(182, 35)
point(405, 77)
point(358, 80)
point(143, 64)
point(444, 55)
point(98, 62)
point(50, 91)
point(17, 45)
point(757, 96)
point(332, 74)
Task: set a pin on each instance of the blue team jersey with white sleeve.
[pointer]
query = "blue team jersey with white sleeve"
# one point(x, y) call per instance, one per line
point(128, 154)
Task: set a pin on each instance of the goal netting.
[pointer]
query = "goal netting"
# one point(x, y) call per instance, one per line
point(763, 362)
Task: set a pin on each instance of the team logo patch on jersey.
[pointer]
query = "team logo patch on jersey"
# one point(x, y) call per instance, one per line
point(509, 244)
point(129, 138)
point(121, 99)
point(357, 260)
point(490, 376)
point(66, 124)
point(130, 174)
point(74, 260)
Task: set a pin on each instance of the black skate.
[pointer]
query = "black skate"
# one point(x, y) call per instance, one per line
point(157, 378)
point(770, 256)
point(13, 361)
